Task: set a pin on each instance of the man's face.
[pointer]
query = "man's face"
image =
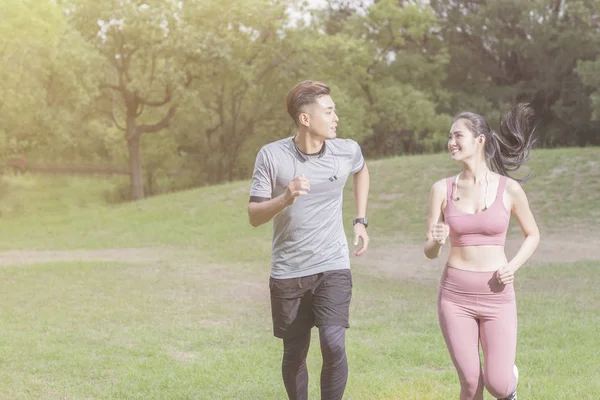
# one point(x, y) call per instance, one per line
point(322, 121)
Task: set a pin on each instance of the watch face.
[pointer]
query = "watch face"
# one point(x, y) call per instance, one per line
point(363, 221)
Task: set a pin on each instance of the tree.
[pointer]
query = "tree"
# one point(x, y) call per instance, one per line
point(147, 48)
point(242, 104)
point(387, 55)
point(47, 82)
point(510, 51)
point(589, 71)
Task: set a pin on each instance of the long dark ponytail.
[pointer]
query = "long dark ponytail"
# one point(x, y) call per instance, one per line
point(509, 148)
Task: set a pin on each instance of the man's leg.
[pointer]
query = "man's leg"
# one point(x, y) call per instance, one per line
point(334, 374)
point(293, 367)
point(291, 307)
point(331, 304)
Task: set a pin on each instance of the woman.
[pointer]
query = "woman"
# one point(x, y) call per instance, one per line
point(476, 302)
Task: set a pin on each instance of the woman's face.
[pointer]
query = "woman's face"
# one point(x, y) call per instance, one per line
point(462, 143)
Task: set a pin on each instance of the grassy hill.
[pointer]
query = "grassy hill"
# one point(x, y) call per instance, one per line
point(178, 306)
point(68, 212)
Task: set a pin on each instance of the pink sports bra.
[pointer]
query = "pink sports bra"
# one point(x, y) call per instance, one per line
point(485, 228)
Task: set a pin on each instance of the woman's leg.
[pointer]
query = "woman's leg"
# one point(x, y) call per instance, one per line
point(498, 331)
point(460, 328)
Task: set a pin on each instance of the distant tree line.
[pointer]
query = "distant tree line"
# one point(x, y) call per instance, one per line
point(199, 85)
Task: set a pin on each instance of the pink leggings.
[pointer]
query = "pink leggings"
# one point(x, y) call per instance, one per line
point(474, 307)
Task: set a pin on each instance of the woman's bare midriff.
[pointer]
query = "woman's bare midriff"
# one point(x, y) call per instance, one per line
point(477, 258)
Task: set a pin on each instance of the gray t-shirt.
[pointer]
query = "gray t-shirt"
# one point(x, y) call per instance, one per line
point(308, 236)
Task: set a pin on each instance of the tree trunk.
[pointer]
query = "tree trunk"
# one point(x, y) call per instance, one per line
point(135, 167)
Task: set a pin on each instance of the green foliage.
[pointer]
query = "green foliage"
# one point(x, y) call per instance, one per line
point(504, 52)
point(393, 66)
point(48, 82)
point(82, 79)
point(589, 71)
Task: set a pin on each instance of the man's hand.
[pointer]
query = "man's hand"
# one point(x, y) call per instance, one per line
point(299, 186)
point(360, 233)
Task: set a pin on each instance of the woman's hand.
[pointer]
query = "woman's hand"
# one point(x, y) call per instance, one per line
point(505, 275)
point(440, 232)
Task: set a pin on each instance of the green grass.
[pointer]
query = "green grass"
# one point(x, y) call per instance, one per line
point(563, 190)
point(37, 194)
point(563, 193)
point(197, 325)
point(179, 331)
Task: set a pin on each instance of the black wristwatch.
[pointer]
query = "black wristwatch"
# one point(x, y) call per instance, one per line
point(364, 221)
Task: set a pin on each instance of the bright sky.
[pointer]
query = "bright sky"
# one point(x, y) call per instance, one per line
point(311, 4)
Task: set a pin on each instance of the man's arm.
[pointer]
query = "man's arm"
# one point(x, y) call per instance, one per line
point(261, 209)
point(361, 183)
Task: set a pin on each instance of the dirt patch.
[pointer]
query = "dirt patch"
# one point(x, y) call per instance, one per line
point(128, 255)
point(558, 171)
point(407, 261)
point(237, 281)
point(181, 356)
point(390, 196)
point(404, 261)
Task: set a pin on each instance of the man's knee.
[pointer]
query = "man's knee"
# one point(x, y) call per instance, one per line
point(333, 341)
point(333, 348)
point(295, 350)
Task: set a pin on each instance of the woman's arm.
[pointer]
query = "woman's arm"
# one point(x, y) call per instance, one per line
point(437, 230)
point(521, 211)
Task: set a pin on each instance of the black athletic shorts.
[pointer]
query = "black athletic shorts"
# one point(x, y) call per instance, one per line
point(298, 304)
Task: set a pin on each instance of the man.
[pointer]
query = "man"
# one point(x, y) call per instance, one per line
point(298, 182)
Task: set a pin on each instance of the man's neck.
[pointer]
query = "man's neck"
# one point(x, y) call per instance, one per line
point(308, 144)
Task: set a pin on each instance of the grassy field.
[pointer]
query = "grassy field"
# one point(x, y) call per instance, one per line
point(194, 322)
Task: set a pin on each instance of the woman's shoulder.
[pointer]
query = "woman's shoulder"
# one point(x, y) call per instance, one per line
point(441, 183)
point(440, 186)
point(510, 183)
point(513, 186)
